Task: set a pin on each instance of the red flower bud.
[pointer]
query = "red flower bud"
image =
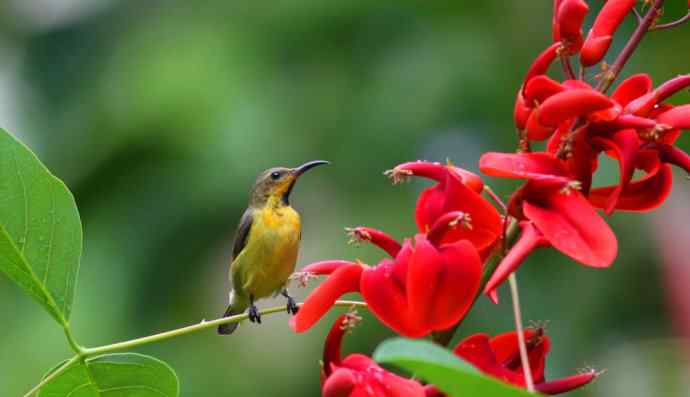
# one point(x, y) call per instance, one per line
point(599, 38)
point(571, 14)
point(376, 237)
point(567, 384)
point(570, 104)
point(535, 130)
point(536, 166)
point(542, 62)
point(672, 155)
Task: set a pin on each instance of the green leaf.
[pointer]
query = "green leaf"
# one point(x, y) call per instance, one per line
point(114, 375)
point(40, 229)
point(440, 367)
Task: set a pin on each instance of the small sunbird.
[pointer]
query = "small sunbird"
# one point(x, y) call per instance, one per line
point(266, 244)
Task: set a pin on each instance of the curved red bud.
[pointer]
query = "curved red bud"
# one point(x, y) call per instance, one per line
point(632, 88)
point(556, 34)
point(572, 226)
point(435, 171)
point(605, 25)
point(571, 14)
point(530, 239)
point(521, 111)
point(540, 88)
point(542, 62)
point(538, 166)
point(673, 155)
point(676, 118)
point(343, 280)
point(628, 121)
point(567, 384)
point(644, 194)
point(570, 104)
point(331, 348)
point(625, 145)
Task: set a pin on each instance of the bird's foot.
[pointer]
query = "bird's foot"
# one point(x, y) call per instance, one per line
point(292, 307)
point(254, 315)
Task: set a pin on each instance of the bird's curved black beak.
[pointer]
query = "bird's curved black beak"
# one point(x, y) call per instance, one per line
point(307, 166)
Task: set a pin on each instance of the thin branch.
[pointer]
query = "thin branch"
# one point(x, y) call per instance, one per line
point(567, 67)
point(673, 24)
point(59, 371)
point(644, 26)
point(637, 15)
point(519, 329)
point(87, 352)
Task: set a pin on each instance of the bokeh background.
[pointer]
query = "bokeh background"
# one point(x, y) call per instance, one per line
point(159, 114)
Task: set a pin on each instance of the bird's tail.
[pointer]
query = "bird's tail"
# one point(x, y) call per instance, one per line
point(234, 308)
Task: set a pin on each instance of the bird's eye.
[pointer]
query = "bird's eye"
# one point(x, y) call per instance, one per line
point(275, 175)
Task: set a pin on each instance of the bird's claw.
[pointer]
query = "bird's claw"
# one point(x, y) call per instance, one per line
point(292, 307)
point(254, 315)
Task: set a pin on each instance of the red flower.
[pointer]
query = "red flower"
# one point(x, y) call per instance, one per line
point(358, 375)
point(425, 287)
point(569, 15)
point(455, 190)
point(559, 215)
point(500, 357)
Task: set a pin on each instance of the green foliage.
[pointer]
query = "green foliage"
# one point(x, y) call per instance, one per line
point(441, 368)
point(40, 229)
point(115, 375)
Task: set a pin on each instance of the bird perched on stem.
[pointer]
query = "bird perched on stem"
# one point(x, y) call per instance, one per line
point(266, 244)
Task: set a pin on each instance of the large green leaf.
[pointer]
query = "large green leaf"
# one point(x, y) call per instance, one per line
point(443, 369)
point(114, 375)
point(40, 229)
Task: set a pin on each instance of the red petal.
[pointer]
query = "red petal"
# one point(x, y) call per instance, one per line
point(453, 195)
point(388, 301)
point(537, 166)
point(521, 111)
point(556, 34)
point(476, 350)
point(540, 88)
point(376, 237)
point(570, 104)
point(677, 118)
point(632, 88)
point(643, 105)
point(644, 194)
point(572, 226)
point(564, 385)
point(345, 279)
point(599, 38)
point(625, 145)
point(530, 239)
point(505, 346)
point(542, 62)
point(535, 130)
point(571, 15)
point(325, 267)
point(340, 383)
point(438, 172)
point(457, 285)
point(673, 155)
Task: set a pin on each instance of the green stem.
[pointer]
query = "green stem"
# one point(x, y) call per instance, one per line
point(72, 342)
point(87, 352)
point(53, 375)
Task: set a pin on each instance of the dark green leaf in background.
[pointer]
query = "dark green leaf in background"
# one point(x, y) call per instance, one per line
point(40, 229)
point(440, 367)
point(115, 375)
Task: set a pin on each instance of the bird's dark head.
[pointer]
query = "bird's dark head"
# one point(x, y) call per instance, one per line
point(275, 184)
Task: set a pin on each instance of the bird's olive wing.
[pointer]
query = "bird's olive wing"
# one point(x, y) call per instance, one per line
point(242, 232)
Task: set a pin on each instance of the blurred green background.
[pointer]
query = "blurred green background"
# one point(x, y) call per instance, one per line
point(159, 114)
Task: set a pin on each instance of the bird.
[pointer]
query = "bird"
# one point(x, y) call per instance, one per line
point(266, 244)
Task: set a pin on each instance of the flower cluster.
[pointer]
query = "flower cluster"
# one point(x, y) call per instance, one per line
point(427, 283)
